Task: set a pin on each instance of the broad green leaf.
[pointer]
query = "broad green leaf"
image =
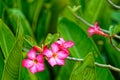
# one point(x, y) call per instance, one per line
point(7, 39)
point(31, 9)
point(116, 16)
point(12, 17)
point(83, 45)
point(10, 4)
point(1, 8)
point(93, 11)
point(113, 56)
point(65, 71)
point(85, 70)
point(29, 41)
point(51, 38)
point(45, 75)
point(27, 75)
point(42, 27)
point(1, 64)
point(13, 63)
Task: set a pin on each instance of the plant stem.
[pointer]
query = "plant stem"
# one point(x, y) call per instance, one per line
point(96, 63)
point(114, 5)
point(111, 41)
point(88, 24)
point(83, 20)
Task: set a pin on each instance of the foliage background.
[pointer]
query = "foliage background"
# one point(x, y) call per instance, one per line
point(25, 22)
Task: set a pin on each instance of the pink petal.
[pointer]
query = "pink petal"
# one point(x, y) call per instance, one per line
point(52, 62)
point(47, 52)
point(68, 44)
point(96, 24)
point(96, 27)
point(65, 50)
point(40, 67)
point(91, 31)
point(62, 55)
point(60, 61)
point(27, 63)
point(40, 58)
point(33, 69)
point(54, 47)
point(60, 41)
point(32, 54)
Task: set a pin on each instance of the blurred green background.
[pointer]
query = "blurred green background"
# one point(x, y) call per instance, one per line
point(25, 22)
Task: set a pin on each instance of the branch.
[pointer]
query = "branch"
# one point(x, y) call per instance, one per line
point(114, 5)
point(96, 63)
point(83, 20)
point(88, 24)
point(114, 46)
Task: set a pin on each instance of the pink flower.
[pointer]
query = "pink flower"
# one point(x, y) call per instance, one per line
point(64, 45)
point(34, 62)
point(54, 55)
point(96, 30)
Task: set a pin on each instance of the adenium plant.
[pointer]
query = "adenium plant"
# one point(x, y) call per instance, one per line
point(55, 55)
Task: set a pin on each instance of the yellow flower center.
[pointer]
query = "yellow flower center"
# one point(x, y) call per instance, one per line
point(54, 55)
point(35, 61)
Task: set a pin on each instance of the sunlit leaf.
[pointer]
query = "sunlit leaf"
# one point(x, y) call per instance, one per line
point(13, 63)
point(1, 64)
point(13, 15)
point(51, 38)
point(83, 45)
point(85, 70)
point(29, 41)
point(7, 38)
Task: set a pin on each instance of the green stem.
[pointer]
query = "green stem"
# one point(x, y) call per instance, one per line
point(114, 5)
point(96, 63)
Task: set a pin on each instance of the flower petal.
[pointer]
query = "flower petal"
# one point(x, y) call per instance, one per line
point(91, 31)
point(62, 55)
point(33, 69)
point(27, 63)
point(47, 52)
point(32, 54)
point(52, 62)
point(40, 58)
point(54, 47)
point(60, 62)
point(40, 67)
point(60, 41)
point(68, 44)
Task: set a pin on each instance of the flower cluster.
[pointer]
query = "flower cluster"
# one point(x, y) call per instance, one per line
point(96, 30)
point(56, 55)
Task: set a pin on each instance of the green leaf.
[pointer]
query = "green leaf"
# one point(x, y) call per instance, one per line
point(51, 38)
point(7, 39)
point(31, 9)
point(83, 45)
point(93, 11)
point(116, 16)
point(12, 17)
point(85, 70)
point(42, 27)
point(13, 63)
point(1, 8)
point(1, 64)
point(29, 41)
point(111, 29)
point(113, 56)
